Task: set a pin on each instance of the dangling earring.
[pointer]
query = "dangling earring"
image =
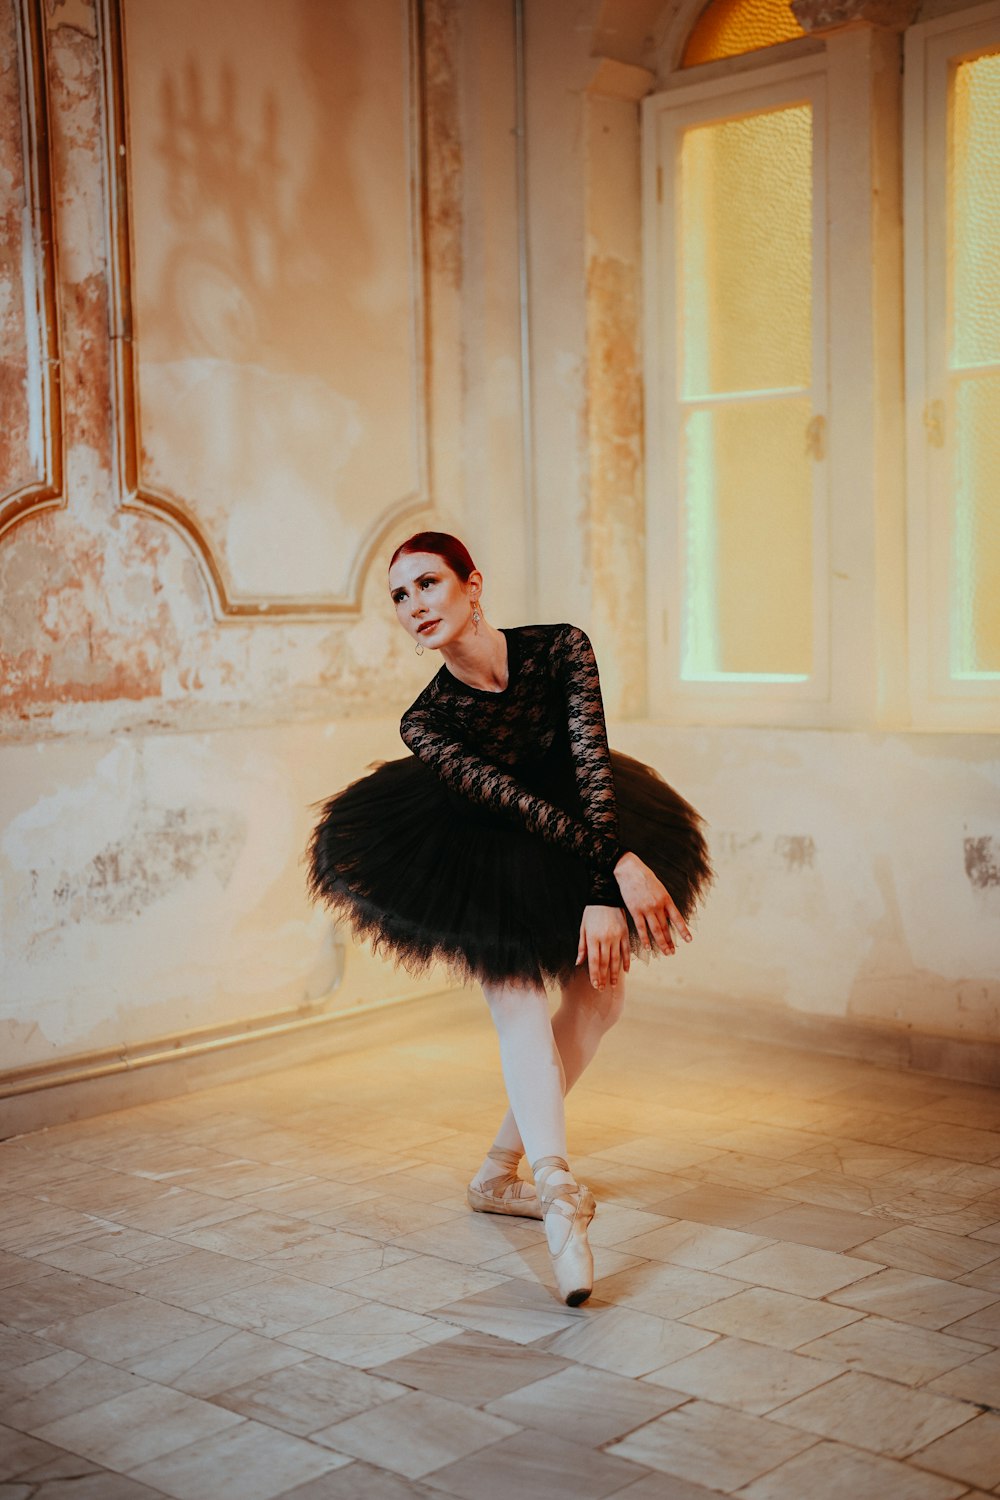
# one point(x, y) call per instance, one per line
point(476, 617)
point(420, 650)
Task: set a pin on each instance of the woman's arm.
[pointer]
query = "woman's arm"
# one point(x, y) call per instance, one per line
point(435, 741)
point(588, 737)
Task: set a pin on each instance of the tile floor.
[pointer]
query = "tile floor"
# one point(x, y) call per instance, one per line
point(275, 1288)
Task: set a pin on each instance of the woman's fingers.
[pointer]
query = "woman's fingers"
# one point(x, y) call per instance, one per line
point(581, 952)
point(679, 922)
point(662, 931)
point(614, 963)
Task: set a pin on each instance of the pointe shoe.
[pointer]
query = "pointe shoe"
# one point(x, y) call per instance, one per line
point(506, 1193)
point(573, 1203)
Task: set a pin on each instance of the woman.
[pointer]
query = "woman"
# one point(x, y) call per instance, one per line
point(515, 847)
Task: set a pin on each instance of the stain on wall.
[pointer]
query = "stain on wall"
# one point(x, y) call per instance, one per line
point(164, 850)
point(982, 861)
point(796, 850)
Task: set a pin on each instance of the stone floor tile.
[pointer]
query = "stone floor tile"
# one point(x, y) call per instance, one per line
point(311, 1394)
point(979, 1380)
point(202, 1364)
point(515, 1310)
point(535, 1466)
point(535, 1263)
point(252, 1235)
point(769, 1317)
point(711, 1445)
point(178, 1208)
point(135, 1427)
point(800, 1269)
point(657, 1486)
point(970, 1453)
point(926, 1251)
point(73, 1478)
point(627, 1342)
point(358, 1481)
point(836, 1191)
point(584, 1405)
point(909, 1297)
point(19, 1349)
point(387, 1217)
point(702, 1247)
point(192, 1277)
point(832, 1471)
point(660, 1154)
point(726, 1207)
point(424, 1282)
point(277, 1304)
point(896, 1350)
point(128, 1330)
point(473, 1368)
point(473, 1238)
point(249, 1462)
point(415, 1434)
point(825, 1228)
point(31, 1305)
point(960, 1141)
point(365, 1336)
point(15, 1269)
point(88, 1383)
point(868, 1412)
point(666, 1290)
point(309, 1197)
point(613, 1224)
point(749, 1377)
point(20, 1452)
point(981, 1327)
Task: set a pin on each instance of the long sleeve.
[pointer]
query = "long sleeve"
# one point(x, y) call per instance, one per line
point(435, 741)
point(588, 738)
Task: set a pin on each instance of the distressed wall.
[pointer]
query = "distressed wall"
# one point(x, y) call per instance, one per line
point(180, 678)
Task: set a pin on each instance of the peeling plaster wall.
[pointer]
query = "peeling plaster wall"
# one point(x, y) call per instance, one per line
point(858, 875)
point(157, 765)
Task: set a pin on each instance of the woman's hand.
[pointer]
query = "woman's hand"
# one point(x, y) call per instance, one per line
point(650, 903)
point(604, 942)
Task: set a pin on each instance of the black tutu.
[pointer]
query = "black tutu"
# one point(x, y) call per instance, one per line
point(429, 877)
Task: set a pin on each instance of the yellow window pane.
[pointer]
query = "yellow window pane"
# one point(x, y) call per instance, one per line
point(976, 560)
point(726, 28)
point(975, 211)
point(748, 522)
point(746, 253)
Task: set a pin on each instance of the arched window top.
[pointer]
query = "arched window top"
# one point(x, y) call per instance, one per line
point(727, 28)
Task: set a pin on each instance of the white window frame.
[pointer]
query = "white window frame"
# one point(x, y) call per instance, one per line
point(939, 701)
point(673, 698)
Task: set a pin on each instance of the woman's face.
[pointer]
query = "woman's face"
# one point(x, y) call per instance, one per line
point(426, 592)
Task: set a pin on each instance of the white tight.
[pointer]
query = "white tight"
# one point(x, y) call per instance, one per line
point(542, 1058)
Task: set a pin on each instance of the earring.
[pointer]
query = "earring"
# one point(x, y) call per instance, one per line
point(420, 650)
point(476, 617)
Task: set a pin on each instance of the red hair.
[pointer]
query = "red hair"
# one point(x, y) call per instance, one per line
point(443, 545)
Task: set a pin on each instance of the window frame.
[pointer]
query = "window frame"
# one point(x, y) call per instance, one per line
point(938, 700)
point(692, 99)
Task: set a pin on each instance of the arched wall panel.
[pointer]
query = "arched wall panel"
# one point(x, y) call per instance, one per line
point(31, 448)
point(268, 286)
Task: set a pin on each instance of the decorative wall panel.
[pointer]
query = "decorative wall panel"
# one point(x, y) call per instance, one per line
point(30, 411)
point(267, 239)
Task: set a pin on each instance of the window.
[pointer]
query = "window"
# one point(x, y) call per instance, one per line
point(727, 28)
point(736, 411)
point(953, 366)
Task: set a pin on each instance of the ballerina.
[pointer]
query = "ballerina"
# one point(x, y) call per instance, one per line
point(517, 848)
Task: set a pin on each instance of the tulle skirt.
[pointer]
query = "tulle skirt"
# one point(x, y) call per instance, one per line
point(429, 878)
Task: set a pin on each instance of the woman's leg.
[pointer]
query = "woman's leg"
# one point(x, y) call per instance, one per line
point(532, 1069)
point(583, 1018)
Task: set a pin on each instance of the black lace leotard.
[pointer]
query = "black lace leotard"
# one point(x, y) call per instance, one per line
point(474, 738)
point(481, 849)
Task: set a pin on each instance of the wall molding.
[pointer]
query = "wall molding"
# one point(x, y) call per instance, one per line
point(46, 491)
point(180, 514)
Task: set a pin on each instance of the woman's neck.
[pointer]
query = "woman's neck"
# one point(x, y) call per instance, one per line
point(480, 661)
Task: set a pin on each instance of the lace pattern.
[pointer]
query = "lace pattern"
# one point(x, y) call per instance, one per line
point(476, 741)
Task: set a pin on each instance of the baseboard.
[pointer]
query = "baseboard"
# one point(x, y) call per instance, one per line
point(78, 1088)
point(973, 1060)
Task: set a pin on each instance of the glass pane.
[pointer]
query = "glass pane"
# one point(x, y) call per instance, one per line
point(726, 28)
point(976, 629)
point(748, 516)
point(746, 253)
point(975, 211)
